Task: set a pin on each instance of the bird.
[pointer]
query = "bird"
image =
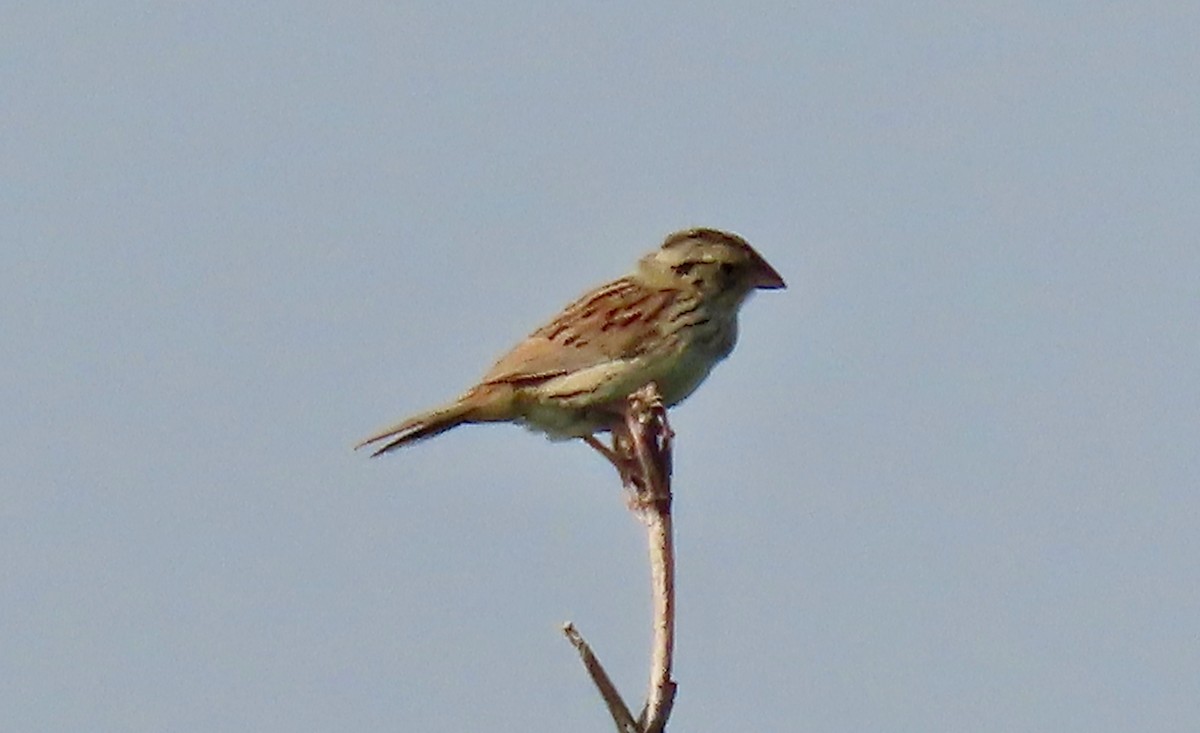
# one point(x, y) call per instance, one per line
point(669, 321)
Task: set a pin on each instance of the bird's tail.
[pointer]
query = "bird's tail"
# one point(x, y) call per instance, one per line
point(420, 427)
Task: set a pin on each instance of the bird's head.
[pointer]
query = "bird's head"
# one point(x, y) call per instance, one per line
point(711, 261)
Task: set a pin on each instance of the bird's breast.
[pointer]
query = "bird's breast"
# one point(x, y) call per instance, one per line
point(704, 346)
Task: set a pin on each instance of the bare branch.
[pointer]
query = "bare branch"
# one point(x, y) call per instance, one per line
point(651, 436)
point(641, 453)
point(616, 706)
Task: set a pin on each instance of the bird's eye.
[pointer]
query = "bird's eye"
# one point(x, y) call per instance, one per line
point(683, 268)
point(726, 268)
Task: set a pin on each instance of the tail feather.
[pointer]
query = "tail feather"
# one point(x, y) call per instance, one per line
point(419, 427)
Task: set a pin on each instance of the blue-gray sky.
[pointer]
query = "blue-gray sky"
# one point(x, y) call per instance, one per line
point(947, 482)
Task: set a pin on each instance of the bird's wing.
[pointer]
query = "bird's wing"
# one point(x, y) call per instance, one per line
point(612, 323)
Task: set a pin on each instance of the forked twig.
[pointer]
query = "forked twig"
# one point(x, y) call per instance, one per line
point(616, 706)
point(642, 454)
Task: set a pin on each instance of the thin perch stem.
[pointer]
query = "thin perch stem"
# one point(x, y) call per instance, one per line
point(651, 436)
point(641, 453)
point(616, 706)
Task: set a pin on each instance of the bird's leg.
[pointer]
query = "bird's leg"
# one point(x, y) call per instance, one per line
point(622, 465)
point(620, 455)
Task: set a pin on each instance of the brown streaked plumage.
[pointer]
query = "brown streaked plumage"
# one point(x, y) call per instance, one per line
point(669, 321)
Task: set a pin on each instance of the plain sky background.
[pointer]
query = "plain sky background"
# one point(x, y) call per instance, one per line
point(947, 482)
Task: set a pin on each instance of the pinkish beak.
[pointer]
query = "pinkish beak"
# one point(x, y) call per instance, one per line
point(765, 277)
